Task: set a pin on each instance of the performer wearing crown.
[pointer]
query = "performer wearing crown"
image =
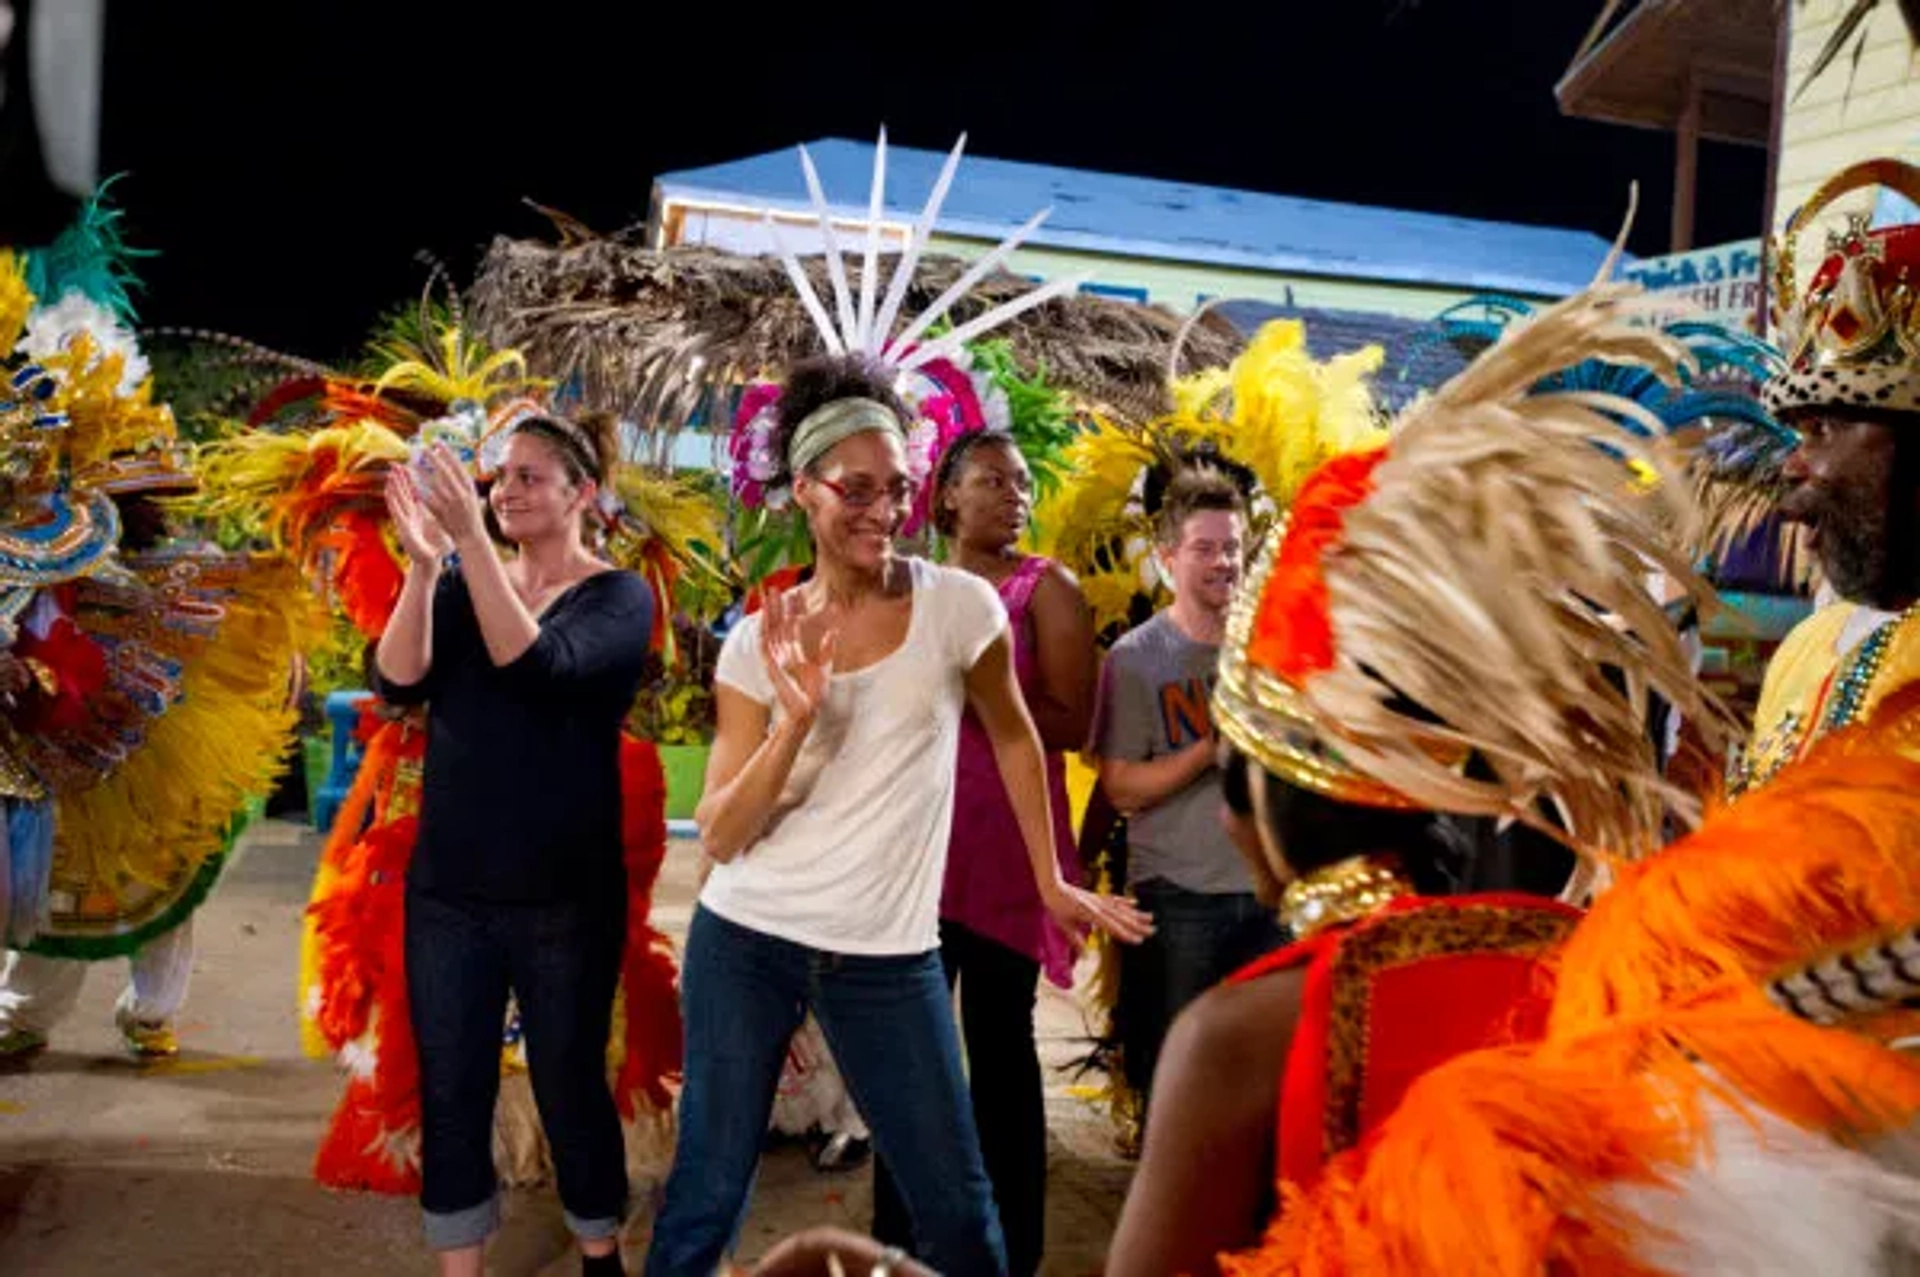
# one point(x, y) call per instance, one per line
point(1851, 337)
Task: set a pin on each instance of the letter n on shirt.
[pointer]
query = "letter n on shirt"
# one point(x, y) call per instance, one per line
point(1184, 712)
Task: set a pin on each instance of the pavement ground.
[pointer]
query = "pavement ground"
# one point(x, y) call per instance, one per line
point(199, 1166)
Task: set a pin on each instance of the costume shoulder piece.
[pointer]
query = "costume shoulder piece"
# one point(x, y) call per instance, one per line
point(1396, 994)
point(1454, 589)
point(1815, 686)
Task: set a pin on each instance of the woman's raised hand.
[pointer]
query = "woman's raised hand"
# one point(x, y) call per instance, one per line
point(447, 491)
point(421, 535)
point(800, 669)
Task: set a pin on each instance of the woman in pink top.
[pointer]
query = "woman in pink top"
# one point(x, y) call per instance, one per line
point(995, 936)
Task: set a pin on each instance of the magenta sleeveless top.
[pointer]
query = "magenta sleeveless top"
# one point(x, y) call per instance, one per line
point(989, 887)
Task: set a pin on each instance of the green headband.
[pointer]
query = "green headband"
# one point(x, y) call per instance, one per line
point(828, 424)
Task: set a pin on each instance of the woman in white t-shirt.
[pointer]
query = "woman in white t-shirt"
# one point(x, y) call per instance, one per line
point(828, 801)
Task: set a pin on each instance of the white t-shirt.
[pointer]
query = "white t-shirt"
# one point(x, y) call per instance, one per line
point(855, 855)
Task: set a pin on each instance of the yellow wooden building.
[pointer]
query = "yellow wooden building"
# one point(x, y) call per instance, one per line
point(1865, 105)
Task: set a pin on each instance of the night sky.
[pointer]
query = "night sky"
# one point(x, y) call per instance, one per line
point(288, 164)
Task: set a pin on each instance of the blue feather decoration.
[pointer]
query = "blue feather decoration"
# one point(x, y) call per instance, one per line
point(1740, 448)
point(90, 257)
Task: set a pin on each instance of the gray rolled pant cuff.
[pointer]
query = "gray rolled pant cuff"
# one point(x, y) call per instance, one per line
point(592, 1230)
point(459, 1229)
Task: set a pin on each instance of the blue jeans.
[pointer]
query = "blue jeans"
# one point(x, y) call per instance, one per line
point(997, 988)
point(563, 963)
point(1199, 939)
point(890, 1024)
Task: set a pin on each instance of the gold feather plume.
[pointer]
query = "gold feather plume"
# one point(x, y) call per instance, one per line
point(674, 511)
point(103, 423)
point(1095, 524)
point(1497, 573)
point(292, 485)
point(1280, 411)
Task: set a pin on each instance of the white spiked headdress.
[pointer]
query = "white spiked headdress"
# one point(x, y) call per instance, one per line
point(863, 330)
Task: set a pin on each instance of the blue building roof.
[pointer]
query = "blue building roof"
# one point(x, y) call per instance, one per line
point(1417, 355)
point(1147, 217)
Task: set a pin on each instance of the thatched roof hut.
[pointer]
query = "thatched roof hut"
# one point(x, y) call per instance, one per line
point(653, 334)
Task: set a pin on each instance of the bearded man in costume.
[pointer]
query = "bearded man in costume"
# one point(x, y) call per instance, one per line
point(1851, 337)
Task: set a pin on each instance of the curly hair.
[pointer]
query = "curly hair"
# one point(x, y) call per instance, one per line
point(952, 463)
point(814, 383)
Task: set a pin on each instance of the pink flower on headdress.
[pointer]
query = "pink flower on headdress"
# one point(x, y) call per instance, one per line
point(752, 449)
point(946, 406)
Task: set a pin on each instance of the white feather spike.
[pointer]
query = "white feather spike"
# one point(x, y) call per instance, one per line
point(916, 242)
point(804, 287)
point(876, 203)
point(947, 344)
point(1763, 1196)
point(962, 286)
point(1612, 262)
point(836, 267)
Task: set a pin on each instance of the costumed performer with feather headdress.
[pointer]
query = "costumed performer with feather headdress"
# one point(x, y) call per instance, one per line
point(1724, 1082)
point(1668, 1089)
point(1472, 589)
point(147, 674)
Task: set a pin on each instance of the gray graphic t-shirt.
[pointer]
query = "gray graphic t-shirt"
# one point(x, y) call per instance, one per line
point(1154, 701)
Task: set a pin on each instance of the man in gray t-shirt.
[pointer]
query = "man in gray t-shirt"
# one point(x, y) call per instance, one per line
point(1153, 708)
point(1153, 733)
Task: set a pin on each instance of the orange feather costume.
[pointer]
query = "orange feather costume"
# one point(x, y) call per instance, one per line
point(1496, 520)
point(1719, 1083)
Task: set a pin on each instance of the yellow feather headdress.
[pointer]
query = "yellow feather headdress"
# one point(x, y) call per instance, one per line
point(1276, 412)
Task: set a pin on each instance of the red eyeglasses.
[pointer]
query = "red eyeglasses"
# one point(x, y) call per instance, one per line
point(900, 493)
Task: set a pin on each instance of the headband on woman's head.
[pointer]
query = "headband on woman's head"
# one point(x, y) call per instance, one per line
point(834, 422)
point(571, 434)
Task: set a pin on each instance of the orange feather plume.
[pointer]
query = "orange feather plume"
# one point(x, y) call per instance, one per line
point(1501, 1163)
point(1825, 857)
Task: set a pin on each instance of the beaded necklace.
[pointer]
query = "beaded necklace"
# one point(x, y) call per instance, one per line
point(1849, 693)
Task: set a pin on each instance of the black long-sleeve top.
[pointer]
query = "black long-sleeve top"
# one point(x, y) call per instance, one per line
point(521, 794)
